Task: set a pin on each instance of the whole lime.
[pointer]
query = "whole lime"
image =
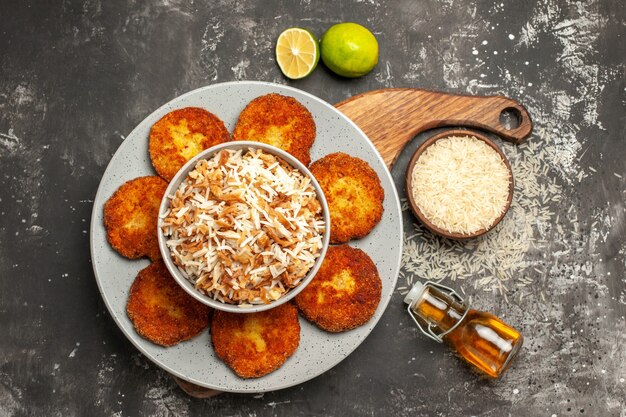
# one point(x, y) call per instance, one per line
point(349, 49)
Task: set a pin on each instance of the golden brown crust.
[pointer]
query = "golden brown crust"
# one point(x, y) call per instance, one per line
point(344, 293)
point(130, 217)
point(161, 310)
point(182, 134)
point(255, 344)
point(354, 194)
point(280, 121)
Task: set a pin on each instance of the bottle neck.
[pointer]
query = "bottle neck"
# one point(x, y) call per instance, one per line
point(438, 309)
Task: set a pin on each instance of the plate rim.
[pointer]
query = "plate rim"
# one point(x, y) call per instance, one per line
point(131, 337)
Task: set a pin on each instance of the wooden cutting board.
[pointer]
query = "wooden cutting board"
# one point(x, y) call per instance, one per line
point(392, 117)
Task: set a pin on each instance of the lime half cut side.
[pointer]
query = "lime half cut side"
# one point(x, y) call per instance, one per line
point(297, 53)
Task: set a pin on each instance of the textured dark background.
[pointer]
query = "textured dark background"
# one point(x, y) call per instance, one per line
point(77, 76)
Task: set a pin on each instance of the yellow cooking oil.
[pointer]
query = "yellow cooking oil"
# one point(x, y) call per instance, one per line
point(479, 338)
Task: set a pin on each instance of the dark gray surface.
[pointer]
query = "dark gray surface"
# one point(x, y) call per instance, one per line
point(76, 77)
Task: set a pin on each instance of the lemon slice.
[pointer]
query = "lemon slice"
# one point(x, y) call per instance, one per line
point(297, 53)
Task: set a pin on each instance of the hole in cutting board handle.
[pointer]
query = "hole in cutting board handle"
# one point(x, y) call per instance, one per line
point(510, 118)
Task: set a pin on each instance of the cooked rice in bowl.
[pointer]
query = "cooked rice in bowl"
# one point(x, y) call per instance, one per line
point(244, 227)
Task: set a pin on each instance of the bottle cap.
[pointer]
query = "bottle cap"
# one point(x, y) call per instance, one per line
point(415, 293)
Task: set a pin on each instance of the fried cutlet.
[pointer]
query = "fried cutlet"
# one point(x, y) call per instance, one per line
point(161, 310)
point(255, 344)
point(345, 291)
point(130, 217)
point(182, 134)
point(354, 195)
point(280, 121)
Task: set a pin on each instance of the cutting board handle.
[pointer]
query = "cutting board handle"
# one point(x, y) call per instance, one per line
point(392, 117)
point(194, 390)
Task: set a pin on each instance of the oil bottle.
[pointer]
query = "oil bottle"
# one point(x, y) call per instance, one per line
point(479, 338)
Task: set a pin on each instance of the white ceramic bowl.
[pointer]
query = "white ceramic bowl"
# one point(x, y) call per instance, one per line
point(178, 179)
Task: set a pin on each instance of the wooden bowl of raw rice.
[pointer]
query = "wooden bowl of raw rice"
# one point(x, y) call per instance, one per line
point(459, 184)
point(243, 227)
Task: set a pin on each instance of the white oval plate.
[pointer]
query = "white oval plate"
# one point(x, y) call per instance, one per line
point(195, 360)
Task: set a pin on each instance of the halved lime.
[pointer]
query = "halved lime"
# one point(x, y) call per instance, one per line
point(297, 53)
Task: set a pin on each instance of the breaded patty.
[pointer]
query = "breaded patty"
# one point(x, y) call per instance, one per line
point(182, 134)
point(161, 310)
point(280, 121)
point(255, 344)
point(130, 217)
point(354, 195)
point(345, 291)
